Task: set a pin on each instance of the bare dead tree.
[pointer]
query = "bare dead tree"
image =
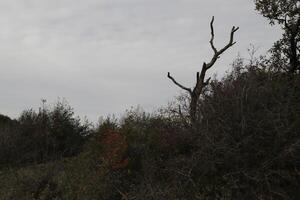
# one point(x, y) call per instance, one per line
point(201, 83)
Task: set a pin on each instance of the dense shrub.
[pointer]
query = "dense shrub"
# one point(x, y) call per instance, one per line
point(246, 144)
point(9, 140)
point(248, 138)
point(45, 135)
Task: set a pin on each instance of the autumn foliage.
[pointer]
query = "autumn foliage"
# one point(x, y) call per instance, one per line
point(114, 149)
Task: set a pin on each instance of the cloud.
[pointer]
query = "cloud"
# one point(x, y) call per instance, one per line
point(105, 56)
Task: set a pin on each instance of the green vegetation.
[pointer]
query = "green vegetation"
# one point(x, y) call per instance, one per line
point(244, 143)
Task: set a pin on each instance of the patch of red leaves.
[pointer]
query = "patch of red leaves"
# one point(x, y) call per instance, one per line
point(114, 150)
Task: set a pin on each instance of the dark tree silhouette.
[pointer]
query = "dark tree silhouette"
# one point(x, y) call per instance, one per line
point(200, 77)
point(287, 14)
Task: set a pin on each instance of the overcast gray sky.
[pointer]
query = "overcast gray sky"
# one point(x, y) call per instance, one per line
point(105, 56)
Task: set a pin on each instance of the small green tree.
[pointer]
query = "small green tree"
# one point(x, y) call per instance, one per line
point(286, 13)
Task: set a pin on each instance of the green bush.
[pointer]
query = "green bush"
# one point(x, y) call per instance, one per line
point(48, 134)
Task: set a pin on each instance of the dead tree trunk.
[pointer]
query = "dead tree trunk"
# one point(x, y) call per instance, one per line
point(201, 83)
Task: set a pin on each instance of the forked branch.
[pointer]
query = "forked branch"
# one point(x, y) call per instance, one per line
point(200, 76)
point(217, 53)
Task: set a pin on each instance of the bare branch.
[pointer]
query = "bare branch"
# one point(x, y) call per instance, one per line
point(212, 35)
point(207, 81)
point(178, 84)
point(203, 71)
point(124, 196)
point(218, 53)
point(197, 77)
point(200, 76)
